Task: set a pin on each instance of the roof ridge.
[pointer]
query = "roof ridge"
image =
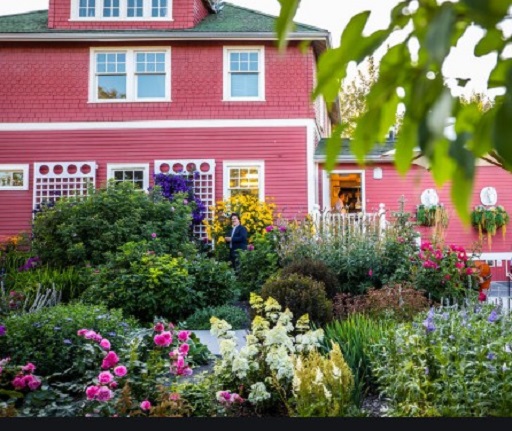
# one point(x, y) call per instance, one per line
point(273, 16)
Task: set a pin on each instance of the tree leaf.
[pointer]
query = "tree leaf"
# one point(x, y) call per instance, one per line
point(284, 22)
point(439, 33)
point(407, 141)
point(333, 147)
point(463, 176)
point(492, 41)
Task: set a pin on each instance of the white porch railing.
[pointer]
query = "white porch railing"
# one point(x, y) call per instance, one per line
point(336, 223)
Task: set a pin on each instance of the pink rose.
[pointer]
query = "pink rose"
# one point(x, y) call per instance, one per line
point(159, 327)
point(110, 360)
point(183, 335)
point(105, 377)
point(29, 368)
point(163, 339)
point(91, 392)
point(145, 405)
point(104, 394)
point(120, 371)
point(34, 384)
point(82, 332)
point(184, 348)
point(105, 344)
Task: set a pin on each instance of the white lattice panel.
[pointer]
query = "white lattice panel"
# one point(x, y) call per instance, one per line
point(53, 180)
point(204, 184)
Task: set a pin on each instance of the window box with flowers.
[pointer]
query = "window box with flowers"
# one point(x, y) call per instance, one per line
point(430, 215)
point(488, 220)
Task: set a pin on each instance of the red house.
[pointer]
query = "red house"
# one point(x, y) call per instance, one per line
point(124, 89)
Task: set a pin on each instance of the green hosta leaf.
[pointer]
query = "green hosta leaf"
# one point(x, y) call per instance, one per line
point(492, 41)
point(439, 33)
point(284, 22)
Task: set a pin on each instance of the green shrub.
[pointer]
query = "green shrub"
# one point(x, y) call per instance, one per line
point(77, 231)
point(214, 281)
point(258, 263)
point(355, 335)
point(301, 295)
point(235, 316)
point(143, 284)
point(48, 338)
point(317, 270)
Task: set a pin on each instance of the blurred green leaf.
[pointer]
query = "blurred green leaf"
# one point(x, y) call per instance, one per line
point(284, 22)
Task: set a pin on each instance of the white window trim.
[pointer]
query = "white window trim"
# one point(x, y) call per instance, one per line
point(260, 164)
point(111, 167)
point(19, 167)
point(130, 74)
point(123, 12)
point(226, 76)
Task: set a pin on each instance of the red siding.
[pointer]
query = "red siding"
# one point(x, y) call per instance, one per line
point(185, 14)
point(49, 83)
point(392, 186)
point(282, 149)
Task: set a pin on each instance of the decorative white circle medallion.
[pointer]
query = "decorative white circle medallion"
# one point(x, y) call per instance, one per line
point(429, 197)
point(488, 196)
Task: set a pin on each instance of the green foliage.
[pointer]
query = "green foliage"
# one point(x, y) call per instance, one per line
point(200, 320)
point(143, 284)
point(48, 338)
point(450, 362)
point(435, 27)
point(77, 231)
point(302, 295)
point(214, 282)
point(355, 335)
point(317, 270)
point(258, 263)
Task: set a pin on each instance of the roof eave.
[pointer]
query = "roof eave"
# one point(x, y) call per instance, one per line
point(351, 159)
point(174, 35)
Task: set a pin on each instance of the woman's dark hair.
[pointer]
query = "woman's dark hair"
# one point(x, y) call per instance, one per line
point(234, 215)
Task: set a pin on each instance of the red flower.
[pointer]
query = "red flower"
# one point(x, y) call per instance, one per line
point(482, 296)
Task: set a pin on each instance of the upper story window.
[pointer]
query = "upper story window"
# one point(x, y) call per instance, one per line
point(130, 75)
point(119, 10)
point(13, 177)
point(244, 73)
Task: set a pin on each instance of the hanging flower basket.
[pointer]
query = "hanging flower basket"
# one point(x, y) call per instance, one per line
point(489, 220)
point(430, 215)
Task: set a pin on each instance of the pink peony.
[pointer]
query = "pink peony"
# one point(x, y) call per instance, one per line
point(120, 371)
point(159, 327)
point(27, 379)
point(34, 384)
point(105, 344)
point(82, 332)
point(91, 392)
point(110, 360)
point(113, 385)
point(153, 235)
point(183, 335)
point(180, 361)
point(90, 335)
point(105, 377)
point(104, 394)
point(18, 382)
point(269, 228)
point(184, 348)
point(163, 339)
point(145, 405)
point(29, 368)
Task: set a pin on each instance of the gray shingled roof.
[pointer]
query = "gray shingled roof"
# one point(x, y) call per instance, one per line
point(377, 152)
point(231, 19)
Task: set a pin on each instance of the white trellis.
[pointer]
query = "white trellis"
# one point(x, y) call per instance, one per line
point(203, 182)
point(58, 179)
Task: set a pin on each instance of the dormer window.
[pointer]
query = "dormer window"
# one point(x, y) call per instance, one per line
point(121, 10)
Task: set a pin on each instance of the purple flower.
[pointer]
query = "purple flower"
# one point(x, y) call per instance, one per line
point(67, 341)
point(250, 247)
point(282, 228)
point(491, 356)
point(426, 371)
point(2, 330)
point(429, 325)
point(269, 228)
point(493, 316)
point(153, 235)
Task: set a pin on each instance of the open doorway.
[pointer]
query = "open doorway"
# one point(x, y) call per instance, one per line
point(347, 192)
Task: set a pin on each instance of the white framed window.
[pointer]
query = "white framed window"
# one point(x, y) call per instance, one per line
point(13, 177)
point(244, 73)
point(130, 75)
point(244, 177)
point(137, 174)
point(121, 10)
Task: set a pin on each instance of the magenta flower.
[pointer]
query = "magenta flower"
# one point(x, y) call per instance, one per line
point(18, 382)
point(120, 371)
point(269, 228)
point(91, 392)
point(183, 335)
point(105, 377)
point(105, 344)
point(153, 235)
point(370, 272)
point(159, 327)
point(164, 339)
point(104, 394)
point(29, 368)
point(90, 335)
point(82, 332)
point(145, 405)
point(250, 247)
point(184, 348)
point(110, 360)
point(112, 385)
point(34, 384)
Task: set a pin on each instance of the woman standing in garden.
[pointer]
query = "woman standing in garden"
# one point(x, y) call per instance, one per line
point(237, 240)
